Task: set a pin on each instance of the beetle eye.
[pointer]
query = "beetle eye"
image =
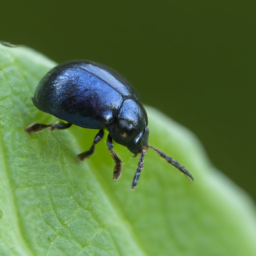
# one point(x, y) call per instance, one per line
point(138, 137)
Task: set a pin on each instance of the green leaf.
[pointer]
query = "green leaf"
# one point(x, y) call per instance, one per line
point(52, 205)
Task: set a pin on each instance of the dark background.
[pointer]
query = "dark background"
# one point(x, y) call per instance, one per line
point(193, 60)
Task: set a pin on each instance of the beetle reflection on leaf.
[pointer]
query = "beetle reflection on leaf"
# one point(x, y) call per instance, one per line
point(94, 96)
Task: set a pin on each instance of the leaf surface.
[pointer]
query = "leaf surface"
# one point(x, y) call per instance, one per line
point(52, 205)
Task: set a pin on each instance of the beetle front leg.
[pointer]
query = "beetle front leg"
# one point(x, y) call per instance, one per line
point(36, 127)
point(89, 152)
point(118, 163)
point(139, 169)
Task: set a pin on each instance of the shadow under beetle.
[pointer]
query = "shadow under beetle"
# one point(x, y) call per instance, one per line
point(94, 96)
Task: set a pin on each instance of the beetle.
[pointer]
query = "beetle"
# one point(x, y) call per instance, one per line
point(94, 96)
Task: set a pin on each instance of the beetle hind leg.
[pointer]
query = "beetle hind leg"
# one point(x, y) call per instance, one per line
point(36, 127)
point(60, 126)
point(118, 163)
point(89, 152)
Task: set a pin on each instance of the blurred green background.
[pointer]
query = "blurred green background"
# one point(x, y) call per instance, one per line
point(193, 60)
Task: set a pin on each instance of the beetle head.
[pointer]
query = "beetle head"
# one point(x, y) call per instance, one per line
point(127, 135)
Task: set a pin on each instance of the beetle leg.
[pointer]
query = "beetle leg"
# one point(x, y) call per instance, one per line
point(139, 169)
point(176, 164)
point(60, 126)
point(36, 127)
point(89, 152)
point(118, 163)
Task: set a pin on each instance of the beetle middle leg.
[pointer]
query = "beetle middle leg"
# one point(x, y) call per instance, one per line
point(119, 165)
point(89, 152)
point(36, 127)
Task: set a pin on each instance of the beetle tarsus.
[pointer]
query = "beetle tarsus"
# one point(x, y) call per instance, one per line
point(139, 169)
point(173, 162)
point(118, 163)
point(35, 128)
point(80, 157)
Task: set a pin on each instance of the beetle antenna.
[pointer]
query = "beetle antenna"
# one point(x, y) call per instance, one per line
point(176, 164)
point(139, 169)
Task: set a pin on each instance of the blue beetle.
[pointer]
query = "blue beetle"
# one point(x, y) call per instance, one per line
point(94, 96)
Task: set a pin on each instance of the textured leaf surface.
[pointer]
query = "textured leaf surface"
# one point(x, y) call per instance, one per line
point(52, 205)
